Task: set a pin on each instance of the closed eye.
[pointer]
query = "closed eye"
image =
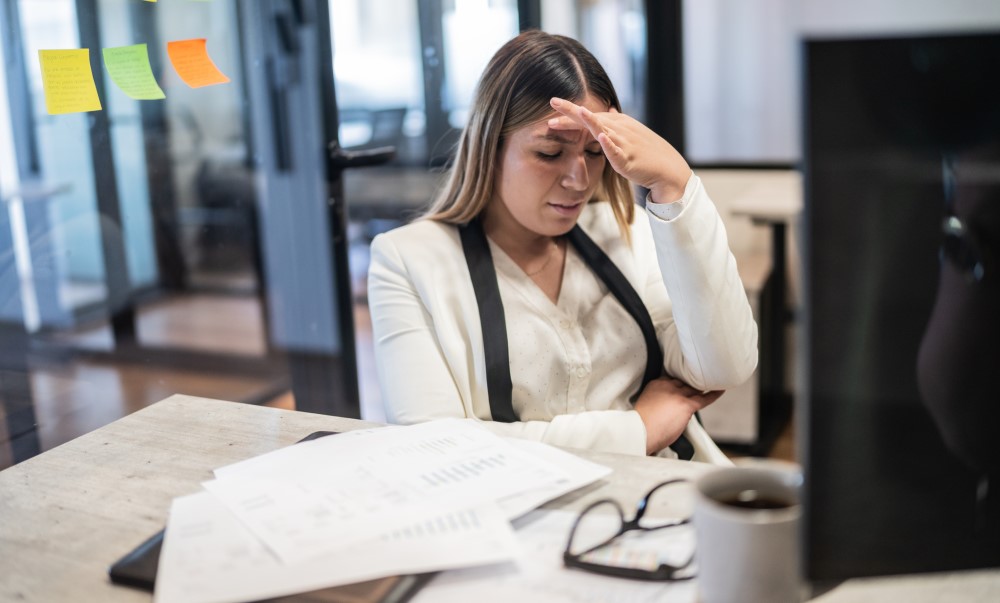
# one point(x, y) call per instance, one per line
point(557, 155)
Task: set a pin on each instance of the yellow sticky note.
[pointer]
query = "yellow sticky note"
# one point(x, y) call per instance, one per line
point(130, 70)
point(150, 0)
point(68, 81)
point(191, 61)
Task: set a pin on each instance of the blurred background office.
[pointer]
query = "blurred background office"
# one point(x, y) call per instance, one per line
point(215, 242)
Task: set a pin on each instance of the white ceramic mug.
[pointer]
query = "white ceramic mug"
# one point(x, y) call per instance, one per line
point(747, 520)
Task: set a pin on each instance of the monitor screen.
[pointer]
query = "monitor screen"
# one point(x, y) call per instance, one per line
point(899, 368)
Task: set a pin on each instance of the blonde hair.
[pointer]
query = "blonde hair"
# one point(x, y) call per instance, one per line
point(513, 92)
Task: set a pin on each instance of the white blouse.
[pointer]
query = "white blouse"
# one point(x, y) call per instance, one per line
point(575, 364)
point(584, 348)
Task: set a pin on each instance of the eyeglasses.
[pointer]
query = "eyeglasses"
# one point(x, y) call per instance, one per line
point(960, 245)
point(596, 545)
point(961, 248)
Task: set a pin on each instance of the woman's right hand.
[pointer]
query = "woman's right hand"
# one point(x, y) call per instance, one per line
point(665, 406)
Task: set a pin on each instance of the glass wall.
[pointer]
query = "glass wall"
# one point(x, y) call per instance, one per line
point(15, 276)
point(203, 133)
point(166, 224)
point(62, 229)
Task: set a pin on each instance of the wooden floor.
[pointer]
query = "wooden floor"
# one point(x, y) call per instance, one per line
point(78, 396)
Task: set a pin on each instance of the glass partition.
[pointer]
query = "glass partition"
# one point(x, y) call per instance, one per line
point(190, 242)
point(63, 230)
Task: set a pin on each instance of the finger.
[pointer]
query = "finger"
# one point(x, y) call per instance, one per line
point(678, 382)
point(709, 397)
point(567, 108)
point(592, 122)
point(685, 389)
point(610, 148)
point(564, 123)
point(579, 114)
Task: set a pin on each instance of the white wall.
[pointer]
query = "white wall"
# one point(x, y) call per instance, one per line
point(741, 63)
point(879, 17)
point(740, 81)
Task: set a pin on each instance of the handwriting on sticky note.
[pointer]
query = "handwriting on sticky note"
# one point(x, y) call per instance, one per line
point(192, 63)
point(68, 81)
point(130, 70)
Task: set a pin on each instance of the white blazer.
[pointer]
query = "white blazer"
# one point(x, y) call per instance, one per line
point(575, 364)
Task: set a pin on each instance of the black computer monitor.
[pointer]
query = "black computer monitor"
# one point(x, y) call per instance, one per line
point(899, 383)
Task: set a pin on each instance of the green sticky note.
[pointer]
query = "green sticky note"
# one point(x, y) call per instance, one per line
point(130, 70)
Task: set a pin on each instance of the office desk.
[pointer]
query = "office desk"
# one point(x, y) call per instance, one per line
point(68, 513)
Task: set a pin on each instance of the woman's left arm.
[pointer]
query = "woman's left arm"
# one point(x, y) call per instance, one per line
point(707, 330)
point(710, 339)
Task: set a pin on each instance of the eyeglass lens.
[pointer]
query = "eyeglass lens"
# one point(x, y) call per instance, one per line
point(604, 537)
point(959, 248)
point(959, 245)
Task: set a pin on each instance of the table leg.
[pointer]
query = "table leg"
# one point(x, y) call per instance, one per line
point(774, 403)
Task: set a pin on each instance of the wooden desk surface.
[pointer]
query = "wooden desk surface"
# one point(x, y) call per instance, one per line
point(767, 210)
point(69, 513)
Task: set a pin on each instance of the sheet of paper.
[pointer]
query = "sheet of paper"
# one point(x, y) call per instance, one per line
point(577, 471)
point(130, 70)
point(300, 458)
point(539, 575)
point(209, 557)
point(192, 63)
point(68, 81)
point(347, 489)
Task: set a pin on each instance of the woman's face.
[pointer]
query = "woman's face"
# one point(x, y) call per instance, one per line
point(546, 177)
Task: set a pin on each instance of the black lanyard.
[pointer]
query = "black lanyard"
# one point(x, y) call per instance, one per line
point(494, 324)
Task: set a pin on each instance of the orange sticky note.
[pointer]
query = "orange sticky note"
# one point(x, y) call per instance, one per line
point(68, 81)
point(191, 61)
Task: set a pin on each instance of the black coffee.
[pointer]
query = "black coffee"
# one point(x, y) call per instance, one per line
point(752, 499)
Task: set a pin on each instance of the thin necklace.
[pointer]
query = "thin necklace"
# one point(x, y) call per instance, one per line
point(545, 264)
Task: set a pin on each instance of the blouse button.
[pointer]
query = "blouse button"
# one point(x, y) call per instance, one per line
point(581, 371)
point(566, 324)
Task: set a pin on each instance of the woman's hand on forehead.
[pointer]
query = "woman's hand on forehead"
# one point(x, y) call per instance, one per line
point(634, 151)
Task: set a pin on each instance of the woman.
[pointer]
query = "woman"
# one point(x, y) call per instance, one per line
point(533, 298)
